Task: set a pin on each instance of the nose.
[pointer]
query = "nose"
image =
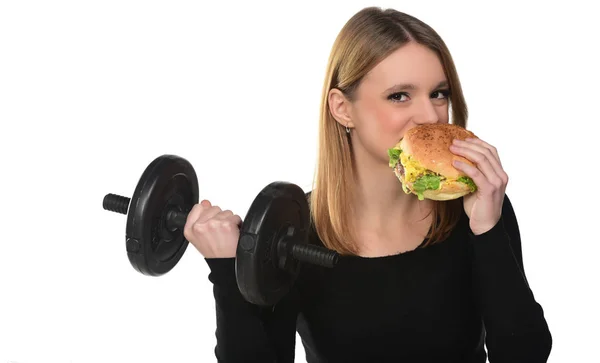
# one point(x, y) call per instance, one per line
point(425, 113)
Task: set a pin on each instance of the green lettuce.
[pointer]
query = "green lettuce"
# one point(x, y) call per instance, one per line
point(469, 182)
point(426, 182)
point(394, 155)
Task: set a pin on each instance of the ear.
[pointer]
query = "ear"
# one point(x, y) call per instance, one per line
point(340, 107)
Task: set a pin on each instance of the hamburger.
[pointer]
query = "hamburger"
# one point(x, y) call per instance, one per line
point(422, 161)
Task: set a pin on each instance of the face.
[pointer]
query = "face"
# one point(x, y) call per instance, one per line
point(406, 89)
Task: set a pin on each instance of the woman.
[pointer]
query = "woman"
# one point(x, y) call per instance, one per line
point(418, 281)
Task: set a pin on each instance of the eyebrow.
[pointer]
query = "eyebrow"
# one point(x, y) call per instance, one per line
point(411, 87)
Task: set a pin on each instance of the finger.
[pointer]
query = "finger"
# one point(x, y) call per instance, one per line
point(207, 214)
point(481, 143)
point(227, 223)
point(237, 220)
point(197, 209)
point(480, 180)
point(194, 214)
point(481, 161)
point(223, 215)
point(234, 220)
point(227, 216)
point(494, 160)
point(493, 156)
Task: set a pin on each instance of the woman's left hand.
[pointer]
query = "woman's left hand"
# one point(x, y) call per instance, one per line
point(484, 206)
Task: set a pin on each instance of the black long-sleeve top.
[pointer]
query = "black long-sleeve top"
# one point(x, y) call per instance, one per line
point(461, 300)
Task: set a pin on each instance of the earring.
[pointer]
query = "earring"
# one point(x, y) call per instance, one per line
point(347, 130)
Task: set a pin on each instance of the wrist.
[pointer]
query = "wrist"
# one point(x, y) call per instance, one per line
point(482, 228)
point(478, 231)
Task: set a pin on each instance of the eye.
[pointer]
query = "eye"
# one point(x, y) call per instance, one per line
point(443, 93)
point(398, 97)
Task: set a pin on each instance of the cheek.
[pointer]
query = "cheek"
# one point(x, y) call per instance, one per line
point(443, 114)
point(383, 126)
point(382, 118)
point(391, 120)
point(391, 123)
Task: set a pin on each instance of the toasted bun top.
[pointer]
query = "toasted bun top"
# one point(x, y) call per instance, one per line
point(429, 145)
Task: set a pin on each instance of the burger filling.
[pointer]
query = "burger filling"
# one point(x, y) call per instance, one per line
point(469, 182)
point(422, 179)
point(427, 182)
point(400, 169)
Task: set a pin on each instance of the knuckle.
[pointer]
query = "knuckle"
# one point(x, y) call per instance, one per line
point(214, 224)
point(228, 226)
point(199, 228)
point(489, 190)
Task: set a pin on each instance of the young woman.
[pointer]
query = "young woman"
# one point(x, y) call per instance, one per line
point(417, 281)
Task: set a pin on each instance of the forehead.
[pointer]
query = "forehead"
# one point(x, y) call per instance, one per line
point(412, 63)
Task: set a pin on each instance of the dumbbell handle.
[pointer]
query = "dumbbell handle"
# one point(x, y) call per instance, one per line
point(119, 204)
point(315, 255)
point(116, 203)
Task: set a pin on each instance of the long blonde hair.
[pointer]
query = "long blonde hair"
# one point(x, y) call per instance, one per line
point(366, 39)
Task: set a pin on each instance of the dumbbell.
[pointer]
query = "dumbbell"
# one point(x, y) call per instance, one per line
point(273, 242)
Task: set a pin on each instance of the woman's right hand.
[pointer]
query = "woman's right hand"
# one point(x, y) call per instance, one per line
point(213, 232)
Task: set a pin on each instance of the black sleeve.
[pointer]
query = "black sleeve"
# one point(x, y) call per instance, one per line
point(247, 332)
point(516, 329)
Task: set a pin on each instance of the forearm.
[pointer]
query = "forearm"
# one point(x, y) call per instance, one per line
point(501, 284)
point(516, 327)
point(246, 332)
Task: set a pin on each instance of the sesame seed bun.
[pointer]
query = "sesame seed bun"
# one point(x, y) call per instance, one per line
point(425, 151)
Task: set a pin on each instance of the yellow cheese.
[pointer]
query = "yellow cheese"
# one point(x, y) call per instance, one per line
point(412, 169)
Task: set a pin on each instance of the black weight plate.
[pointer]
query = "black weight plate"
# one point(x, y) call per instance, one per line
point(168, 182)
point(279, 209)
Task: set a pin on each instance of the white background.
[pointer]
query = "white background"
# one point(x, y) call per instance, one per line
point(92, 91)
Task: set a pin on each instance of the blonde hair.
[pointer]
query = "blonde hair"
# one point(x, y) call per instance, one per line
point(366, 39)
